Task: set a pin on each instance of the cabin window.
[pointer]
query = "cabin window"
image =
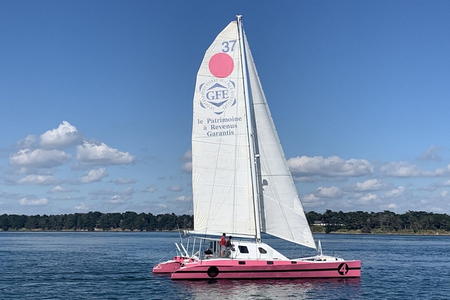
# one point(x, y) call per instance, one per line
point(242, 262)
point(270, 262)
point(243, 249)
point(262, 250)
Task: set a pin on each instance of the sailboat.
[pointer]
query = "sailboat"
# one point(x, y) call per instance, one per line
point(241, 182)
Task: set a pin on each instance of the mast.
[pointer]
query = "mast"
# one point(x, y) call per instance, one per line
point(251, 133)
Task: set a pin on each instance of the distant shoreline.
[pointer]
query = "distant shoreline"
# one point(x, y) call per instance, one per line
point(357, 222)
point(352, 232)
point(405, 232)
point(84, 230)
point(391, 233)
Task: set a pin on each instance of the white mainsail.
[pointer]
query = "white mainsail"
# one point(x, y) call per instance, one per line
point(225, 180)
point(221, 177)
point(282, 214)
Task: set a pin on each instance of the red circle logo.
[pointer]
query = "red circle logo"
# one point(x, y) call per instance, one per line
point(221, 65)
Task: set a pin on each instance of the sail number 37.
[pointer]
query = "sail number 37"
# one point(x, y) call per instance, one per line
point(228, 46)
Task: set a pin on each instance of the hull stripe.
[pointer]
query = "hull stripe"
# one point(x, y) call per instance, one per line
point(265, 278)
point(269, 271)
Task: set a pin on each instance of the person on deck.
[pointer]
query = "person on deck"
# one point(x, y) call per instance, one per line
point(229, 247)
point(229, 244)
point(223, 244)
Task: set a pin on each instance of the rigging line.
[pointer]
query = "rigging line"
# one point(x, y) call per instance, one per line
point(250, 133)
point(257, 150)
point(179, 233)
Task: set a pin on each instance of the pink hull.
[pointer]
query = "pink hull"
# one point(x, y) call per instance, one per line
point(258, 269)
point(170, 266)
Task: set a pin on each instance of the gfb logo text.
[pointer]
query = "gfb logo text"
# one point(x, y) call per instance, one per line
point(217, 95)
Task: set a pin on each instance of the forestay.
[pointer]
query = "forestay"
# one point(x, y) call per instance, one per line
point(221, 178)
point(282, 213)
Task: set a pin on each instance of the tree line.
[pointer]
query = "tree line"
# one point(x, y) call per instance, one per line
point(329, 221)
point(97, 221)
point(386, 221)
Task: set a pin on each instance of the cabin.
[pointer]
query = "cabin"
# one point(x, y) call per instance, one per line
point(208, 248)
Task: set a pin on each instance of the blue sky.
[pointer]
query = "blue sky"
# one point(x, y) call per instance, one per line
point(358, 90)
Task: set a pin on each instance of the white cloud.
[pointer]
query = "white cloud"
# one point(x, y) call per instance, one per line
point(322, 194)
point(398, 191)
point(81, 206)
point(328, 192)
point(391, 206)
point(38, 158)
point(187, 155)
point(368, 185)
point(368, 198)
point(65, 135)
point(183, 198)
point(187, 167)
point(101, 154)
point(33, 201)
point(310, 198)
point(175, 188)
point(150, 189)
point(67, 197)
point(332, 166)
point(114, 197)
point(432, 153)
point(94, 175)
point(400, 169)
point(444, 194)
point(405, 169)
point(123, 181)
point(305, 178)
point(37, 179)
point(59, 189)
point(441, 171)
point(28, 142)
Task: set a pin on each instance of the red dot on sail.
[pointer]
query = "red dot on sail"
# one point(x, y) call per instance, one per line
point(221, 65)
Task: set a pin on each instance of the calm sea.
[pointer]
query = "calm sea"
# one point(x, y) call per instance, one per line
point(113, 265)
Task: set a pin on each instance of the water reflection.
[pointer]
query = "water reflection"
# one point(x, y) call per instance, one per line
point(272, 289)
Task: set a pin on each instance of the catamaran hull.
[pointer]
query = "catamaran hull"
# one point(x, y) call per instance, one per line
point(170, 266)
point(238, 269)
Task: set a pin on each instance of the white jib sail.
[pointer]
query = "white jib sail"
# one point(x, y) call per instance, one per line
point(221, 178)
point(282, 211)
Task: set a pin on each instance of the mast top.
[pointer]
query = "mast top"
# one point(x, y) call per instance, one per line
point(239, 18)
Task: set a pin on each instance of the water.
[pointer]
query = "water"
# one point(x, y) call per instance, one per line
point(114, 265)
